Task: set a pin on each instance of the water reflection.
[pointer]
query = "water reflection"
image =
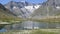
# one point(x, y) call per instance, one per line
point(3, 30)
point(30, 25)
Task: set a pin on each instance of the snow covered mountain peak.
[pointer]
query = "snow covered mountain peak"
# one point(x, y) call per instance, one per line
point(32, 8)
point(22, 9)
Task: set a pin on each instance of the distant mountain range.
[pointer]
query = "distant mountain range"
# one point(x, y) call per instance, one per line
point(25, 9)
point(22, 9)
point(48, 8)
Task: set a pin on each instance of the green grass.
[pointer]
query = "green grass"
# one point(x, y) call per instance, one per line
point(46, 20)
point(51, 20)
point(43, 32)
point(40, 31)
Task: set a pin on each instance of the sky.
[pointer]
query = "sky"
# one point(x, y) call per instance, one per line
point(31, 1)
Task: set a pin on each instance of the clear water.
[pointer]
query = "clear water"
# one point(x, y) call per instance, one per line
point(30, 25)
point(3, 30)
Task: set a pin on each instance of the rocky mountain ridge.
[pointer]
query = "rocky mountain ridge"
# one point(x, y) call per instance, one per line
point(22, 9)
point(48, 8)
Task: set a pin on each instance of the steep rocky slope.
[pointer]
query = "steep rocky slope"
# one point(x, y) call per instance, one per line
point(22, 9)
point(48, 8)
point(6, 15)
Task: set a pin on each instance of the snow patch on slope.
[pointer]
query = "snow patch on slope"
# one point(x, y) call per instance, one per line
point(15, 7)
point(37, 6)
point(32, 8)
point(58, 7)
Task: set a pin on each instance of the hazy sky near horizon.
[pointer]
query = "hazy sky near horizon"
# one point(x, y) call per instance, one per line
point(31, 1)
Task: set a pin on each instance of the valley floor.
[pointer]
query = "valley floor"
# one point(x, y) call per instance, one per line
point(40, 31)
